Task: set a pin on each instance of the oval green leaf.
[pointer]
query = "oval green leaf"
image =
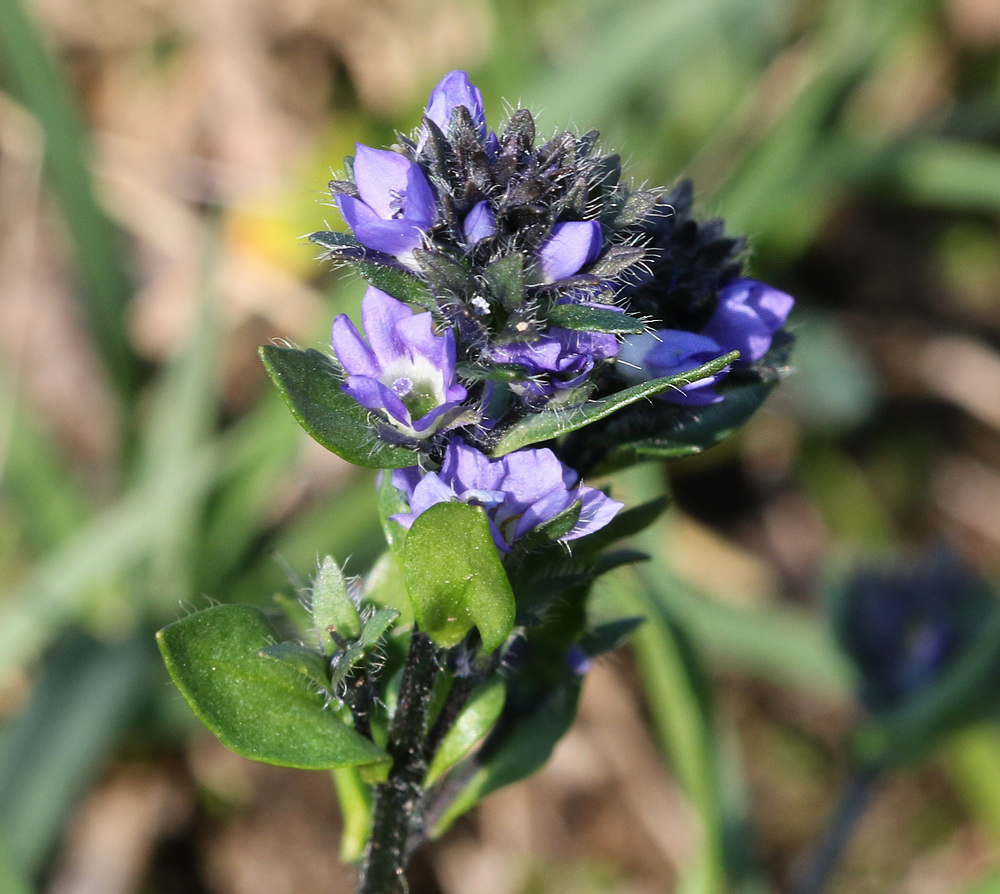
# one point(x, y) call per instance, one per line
point(454, 577)
point(260, 708)
point(309, 384)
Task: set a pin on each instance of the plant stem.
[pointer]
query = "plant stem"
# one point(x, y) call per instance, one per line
point(396, 817)
point(828, 851)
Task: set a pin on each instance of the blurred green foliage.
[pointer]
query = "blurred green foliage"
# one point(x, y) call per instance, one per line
point(778, 110)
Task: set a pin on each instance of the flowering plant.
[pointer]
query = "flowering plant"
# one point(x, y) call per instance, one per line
point(530, 319)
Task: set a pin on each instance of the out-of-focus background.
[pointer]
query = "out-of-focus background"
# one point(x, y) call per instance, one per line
point(159, 164)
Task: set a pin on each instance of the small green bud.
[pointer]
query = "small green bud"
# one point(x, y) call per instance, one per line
point(332, 607)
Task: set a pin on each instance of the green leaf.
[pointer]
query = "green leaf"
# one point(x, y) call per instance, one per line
point(454, 576)
point(521, 748)
point(376, 626)
point(335, 242)
point(490, 372)
point(354, 798)
point(474, 721)
point(256, 706)
point(609, 636)
point(593, 319)
point(398, 283)
point(332, 608)
point(310, 387)
point(302, 660)
point(663, 434)
point(389, 278)
point(550, 424)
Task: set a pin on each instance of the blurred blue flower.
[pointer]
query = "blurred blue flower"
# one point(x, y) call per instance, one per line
point(519, 491)
point(404, 370)
point(903, 626)
point(395, 204)
point(746, 318)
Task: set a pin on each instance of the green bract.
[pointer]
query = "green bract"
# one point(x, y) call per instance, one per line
point(262, 708)
point(454, 577)
point(332, 608)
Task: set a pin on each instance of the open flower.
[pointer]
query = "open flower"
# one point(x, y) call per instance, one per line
point(404, 370)
point(670, 352)
point(395, 204)
point(519, 491)
point(747, 316)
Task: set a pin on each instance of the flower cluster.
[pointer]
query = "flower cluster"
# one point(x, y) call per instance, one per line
point(513, 278)
point(904, 626)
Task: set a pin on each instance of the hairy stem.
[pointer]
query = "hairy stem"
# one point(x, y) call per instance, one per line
point(396, 818)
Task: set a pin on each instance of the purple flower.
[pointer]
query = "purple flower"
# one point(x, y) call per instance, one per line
point(454, 90)
point(403, 370)
point(669, 352)
point(479, 223)
point(569, 247)
point(748, 315)
point(519, 491)
point(395, 204)
point(560, 358)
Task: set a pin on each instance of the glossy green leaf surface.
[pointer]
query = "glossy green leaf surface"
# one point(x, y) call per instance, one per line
point(454, 577)
point(259, 707)
point(552, 423)
point(475, 720)
point(524, 747)
point(310, 387)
